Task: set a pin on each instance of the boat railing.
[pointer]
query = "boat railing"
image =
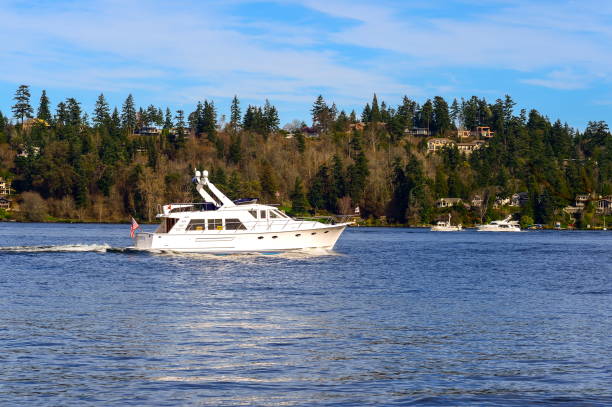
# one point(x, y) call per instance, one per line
point(278, 224)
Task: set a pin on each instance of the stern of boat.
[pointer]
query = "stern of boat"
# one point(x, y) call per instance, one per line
point(143, 240)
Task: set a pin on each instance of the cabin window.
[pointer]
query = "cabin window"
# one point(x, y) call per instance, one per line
point(274, 215)
point(215, 224)
point(197, 224)
point(253, 213)
point(281, 214)
point(262, 214)
point(234, 224)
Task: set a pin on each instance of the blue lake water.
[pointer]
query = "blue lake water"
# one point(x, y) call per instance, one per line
point(393, 317)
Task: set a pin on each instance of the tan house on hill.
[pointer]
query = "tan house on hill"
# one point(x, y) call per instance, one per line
point(418, 132)
point(5, 187)
point(436, 144)
point(604, 205)
point(483, 132)
point(470, 147)
point(462, 133)
point(5, 203)
point(359, 126)
point(448, 202)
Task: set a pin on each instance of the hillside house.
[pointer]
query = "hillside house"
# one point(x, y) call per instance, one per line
point(483, 132)
point(462, 134)
point(359, 126)
point(436, 144)
point(25, 151)
point(148, 131)
point(476, 201)
point(604, 205)
point(448, 202)
point(5, 203)
point(469, 148)
point(418, 132)
point(5, 187)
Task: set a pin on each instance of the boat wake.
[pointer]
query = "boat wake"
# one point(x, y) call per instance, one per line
point(105, 248)
point(96, 248)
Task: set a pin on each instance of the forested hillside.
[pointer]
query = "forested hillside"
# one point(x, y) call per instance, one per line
point(115, 162)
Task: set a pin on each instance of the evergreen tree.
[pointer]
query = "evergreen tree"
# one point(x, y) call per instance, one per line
point(168, 123)
point(61, 114)
point(426, 115)
point(375, 115)
point(209, 120)
point(101, 111)
point(74, 112)
point(441, 119)
point(44, 112)
point(22, 107)
point(128, 114)
point(270, 118)
point(235, 114)
point(180, 129)
point(455, 113)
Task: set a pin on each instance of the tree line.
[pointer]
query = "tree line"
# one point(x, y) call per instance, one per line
point(104, 167)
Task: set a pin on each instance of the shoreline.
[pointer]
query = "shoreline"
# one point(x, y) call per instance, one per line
point(127, 222)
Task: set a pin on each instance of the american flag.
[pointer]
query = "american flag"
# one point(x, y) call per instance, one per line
point(135, 226)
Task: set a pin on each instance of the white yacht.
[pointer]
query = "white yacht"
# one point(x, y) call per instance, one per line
point(220, 225)
point(445, 226)
point(505, 225)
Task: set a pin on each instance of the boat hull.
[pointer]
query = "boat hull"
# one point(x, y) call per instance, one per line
point(446, 229)
point(487, 228)
point(243, 241)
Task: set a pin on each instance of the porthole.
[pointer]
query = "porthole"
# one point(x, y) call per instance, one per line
point(298, 235)
point(260, 237)
point(313, 233)
point(327, 231)
point(274, 237)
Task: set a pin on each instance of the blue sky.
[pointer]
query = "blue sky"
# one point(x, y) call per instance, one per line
point(550, 55)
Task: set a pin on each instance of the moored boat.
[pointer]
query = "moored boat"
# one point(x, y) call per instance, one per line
point(446, 226)
point(220, 225)
point(505, 225)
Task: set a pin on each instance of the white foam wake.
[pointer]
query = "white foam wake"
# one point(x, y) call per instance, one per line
point(99, 248)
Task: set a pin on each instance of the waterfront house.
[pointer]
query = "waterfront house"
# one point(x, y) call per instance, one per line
point(519, 199)
point(476, 201)
point(448, 202)
point(5, 203)
point(436, 144)
point(604, 205)
point(502, 201)
point(5, 187)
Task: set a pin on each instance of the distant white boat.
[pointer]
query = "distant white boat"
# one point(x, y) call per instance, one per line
point(220, 225)
point(445, 226)
point(505, 225)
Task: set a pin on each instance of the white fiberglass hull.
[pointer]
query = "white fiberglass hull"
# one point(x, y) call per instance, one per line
point(243, 241)
point(446, 229)
point(489, 228)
